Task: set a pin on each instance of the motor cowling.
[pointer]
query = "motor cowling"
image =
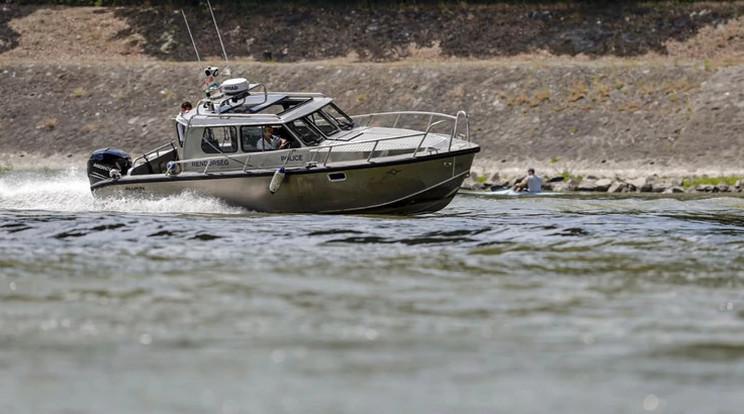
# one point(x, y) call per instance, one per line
point(108, 163)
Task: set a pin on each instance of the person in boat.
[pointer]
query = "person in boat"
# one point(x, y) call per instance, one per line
point(185, 108)
point(269, 141)
point(531, 183)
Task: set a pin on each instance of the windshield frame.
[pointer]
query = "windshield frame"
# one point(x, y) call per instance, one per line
point(311, 125)
point(346, 125)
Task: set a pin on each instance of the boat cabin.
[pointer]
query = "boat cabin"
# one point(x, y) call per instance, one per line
point(239, 122)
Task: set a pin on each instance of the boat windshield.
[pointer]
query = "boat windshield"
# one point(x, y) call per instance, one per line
point(338, 116)
point(325, 124)
point(330, 120)
point(306, 131)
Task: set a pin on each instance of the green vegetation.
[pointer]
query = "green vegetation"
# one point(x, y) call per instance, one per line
point(696, 181)
point(5, 169)
point(238, 3)
point(79, 93)
point(567, 176)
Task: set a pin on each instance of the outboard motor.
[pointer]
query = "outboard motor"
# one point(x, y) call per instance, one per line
point(107, 163)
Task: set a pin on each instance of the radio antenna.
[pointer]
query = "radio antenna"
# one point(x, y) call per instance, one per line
point(219, 36)
point(191, 36)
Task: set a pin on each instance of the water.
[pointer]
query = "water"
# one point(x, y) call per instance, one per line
point(185, 305)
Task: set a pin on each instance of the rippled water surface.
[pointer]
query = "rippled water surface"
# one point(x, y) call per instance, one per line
point(550, 304)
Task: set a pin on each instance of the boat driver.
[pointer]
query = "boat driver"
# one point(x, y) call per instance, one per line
point(269, 141)
point(531, 183)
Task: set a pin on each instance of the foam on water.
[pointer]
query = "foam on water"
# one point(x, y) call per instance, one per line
point(69, 190)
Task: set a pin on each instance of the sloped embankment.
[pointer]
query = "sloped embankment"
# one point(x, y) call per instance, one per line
point(291, 31)
point(604, 115)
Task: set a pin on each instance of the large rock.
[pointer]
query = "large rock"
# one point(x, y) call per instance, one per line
point(560, 187)
point(722, 188)
point(638, 184)
point(587, 185)
point(705, 188)
point(674, 189)
point(603, 184)
point(618, 187)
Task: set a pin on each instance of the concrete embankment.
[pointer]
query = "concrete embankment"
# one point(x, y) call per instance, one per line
point(603, 117)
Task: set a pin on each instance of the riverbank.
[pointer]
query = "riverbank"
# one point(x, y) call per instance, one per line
point(601, 118)
point(95, 78)
point(644, 184)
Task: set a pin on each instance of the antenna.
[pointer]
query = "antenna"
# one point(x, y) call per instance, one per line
point(218, 31)
point(191, 36)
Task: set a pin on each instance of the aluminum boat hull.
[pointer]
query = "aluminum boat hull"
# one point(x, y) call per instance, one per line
point(405, 185)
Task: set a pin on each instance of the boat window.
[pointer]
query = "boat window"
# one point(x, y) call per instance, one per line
point(251, 135)
point(304, 129)
point(217, 140)
point(327, 126)
point(333, 112)
point(282, 106)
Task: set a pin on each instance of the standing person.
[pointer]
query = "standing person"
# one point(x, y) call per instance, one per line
point(269, 141)
point(532, 183)
point(185, 108)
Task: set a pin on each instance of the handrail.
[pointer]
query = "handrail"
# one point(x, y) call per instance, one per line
point(454, 128)
point(397, 114)
point(153, 151)
point(427, 133)
point(314, 150)
point(403, 113)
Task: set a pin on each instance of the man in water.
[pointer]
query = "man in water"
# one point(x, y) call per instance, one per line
point(269, 141)
point(531, 183)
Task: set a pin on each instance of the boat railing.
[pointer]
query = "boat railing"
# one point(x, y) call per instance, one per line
point(321, 155)
point(460, 122)
point(154, 154)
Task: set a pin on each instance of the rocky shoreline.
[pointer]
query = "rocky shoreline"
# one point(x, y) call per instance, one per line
point(649, 184)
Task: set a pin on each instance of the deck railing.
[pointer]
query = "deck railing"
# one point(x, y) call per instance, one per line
point(153, 154)
point(460, 120)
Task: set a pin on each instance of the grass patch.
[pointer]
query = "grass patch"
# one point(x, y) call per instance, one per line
point(567, 176)
point(79, 93)
point(696, 181)
point(542, 95)
point(48, 123)
point(578, 91)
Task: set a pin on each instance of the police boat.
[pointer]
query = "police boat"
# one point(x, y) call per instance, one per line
point(288, 152)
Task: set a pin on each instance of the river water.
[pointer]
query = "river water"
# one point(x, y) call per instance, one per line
point(520, 305)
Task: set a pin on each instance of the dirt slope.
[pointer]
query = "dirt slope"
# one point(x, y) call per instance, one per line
point(95, 77)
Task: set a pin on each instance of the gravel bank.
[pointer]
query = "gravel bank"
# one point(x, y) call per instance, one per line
point(596, 118)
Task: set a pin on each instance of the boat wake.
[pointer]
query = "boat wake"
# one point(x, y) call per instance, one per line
point(69, 190)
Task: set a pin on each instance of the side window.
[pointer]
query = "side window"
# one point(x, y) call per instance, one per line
point(253, 139)
point(305, 131)
point(249, 136)
point(218, 140)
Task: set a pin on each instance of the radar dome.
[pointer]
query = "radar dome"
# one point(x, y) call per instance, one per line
point(235, 86)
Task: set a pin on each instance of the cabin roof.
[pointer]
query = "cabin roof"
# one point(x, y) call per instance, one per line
point(204, 116)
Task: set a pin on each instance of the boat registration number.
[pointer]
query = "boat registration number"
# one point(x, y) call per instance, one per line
point(214, 163)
